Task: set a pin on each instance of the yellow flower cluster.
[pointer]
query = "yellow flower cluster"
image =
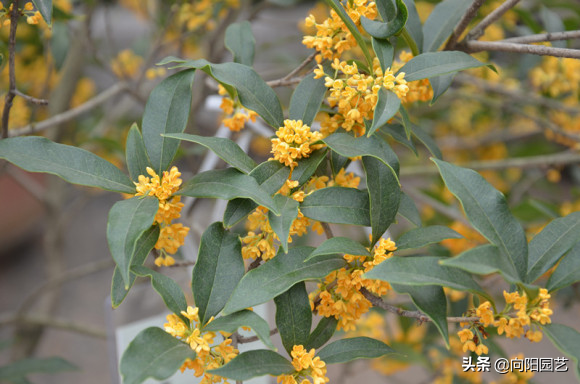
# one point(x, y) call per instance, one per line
point(355, 94)
point(127, 64)
point(448, 364)
point(239, 115)
point(294, 141)
point(204, 13)
point(305, 365)
point(339, 295)
point(419, 90)
point(171, 236)
point(32, 17)
point(332, 36)
point(557, 77)
point(208, 356)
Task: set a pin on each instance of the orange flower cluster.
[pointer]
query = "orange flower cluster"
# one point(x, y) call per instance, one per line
point(239, 115)
point(305, 365)
point(294, 141)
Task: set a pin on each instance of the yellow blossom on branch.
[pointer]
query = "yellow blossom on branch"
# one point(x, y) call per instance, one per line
point(305, 365)
point(294, 141)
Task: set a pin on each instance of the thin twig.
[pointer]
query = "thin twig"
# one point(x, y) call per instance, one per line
point(183, 264)
point(71, 114)
point(420, 316)
point(244, 340)
point(495, 15)
point(284, 82)
point(437, 206)
point(31, 99)
point(28, 183)
point(302, 65)
point(540, 50)
point(11, 68)
point(463, 23)
point(54, 323)
point(255, 264)
point(540, 37)
point(327, 230)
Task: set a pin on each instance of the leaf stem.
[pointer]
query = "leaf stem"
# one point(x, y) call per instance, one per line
point(410, 42)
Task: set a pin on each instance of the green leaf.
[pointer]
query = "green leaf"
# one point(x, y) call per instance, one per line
point(484, 260)
point(136, 154)
point(252, 90)
point(153, 353)
point(384, 51)
point(409, 211)
point(431, 300)
point(293, 316)
point(567, 272)
point(487, 210)
point(441, 23)
point(349, 146)
point(397, 132)
point(307, 167)
point(420, 237)
point(218, 270)
point(440, 85)
point(322, 333)
point(281, 225)
point(255, 363)
point(424, 270)
point(244, 318)
point(128, 220)
point(307, 98)
point(387, 106)
point(567, 340)
point(168, 289)
point(551, 243)
point(338, 8)
point(167, 111)
point(427, 141)
point(337, 162)
point(386, 29)
point(45, 9)
point(227, 184)
point(405, 120)
point(340, 245)
point(432, 64)
point(278, 275)
point(75, 165)
point(338, 205)
point(21, 368)
point(387, 9)
point(237, 210)
point(142, 248)
point(384, 196)
point(345, 350)
point(413, 25)
point(225, 149)
point(239, 40)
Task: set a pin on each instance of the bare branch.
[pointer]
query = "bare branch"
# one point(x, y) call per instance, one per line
point(463, 23)
point(284, 82)
point(479, 29)
point(31, 99)
point(245, 340)
point(541, 50)
point(540, 37)
point(54, 323)
point(183, 264)
point(11, 68)
point(302, 65)
point(327, 230)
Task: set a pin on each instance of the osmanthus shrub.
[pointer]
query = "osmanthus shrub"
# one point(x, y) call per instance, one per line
point(361, 85)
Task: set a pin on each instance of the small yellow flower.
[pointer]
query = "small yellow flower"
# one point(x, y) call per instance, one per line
point(294, 141)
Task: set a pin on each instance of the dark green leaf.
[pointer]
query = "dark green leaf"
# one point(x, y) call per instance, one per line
point(432, 64)
point(239, 40)
point(307, 167)
point(322, 333)
point(387, 9)
point(567, 340)
point(384, 51)
point(337, 162)
point(224, 148)
point(567, 272)
point(278, 275)
point(387, 106)
point(307, 98)
point(427, 141)
point(253, 364)
point(45, 9)
point(420, 237)
point(338, 205)
point(384, 196)
point(128, 220)
point(431, 300)
point(441, 22)
point(397, 132)
point(136, 154)
point(440, 85)
point(22, 368)
point(244, 318)
point(341, 245)
point(406, 121)
point(237, 210)
point(413, 25)
point(409, 211)
point(487, 210)
point(424, 270)
point(218, 270)
point(386, 29)
point(281, 225)
point(167, 111)
point(345, 350)
point(551, 243)
point(168, 289)
point(227, 184)
point(484, 260)
point(144, 245)
point(153, 353)
point(293, 316)
point(75, 165)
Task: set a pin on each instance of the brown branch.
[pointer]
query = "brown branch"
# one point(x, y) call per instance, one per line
point(11, 68)
point(244, 340)
point(463, 23)
point(255, 264)
point(540, 37)
point(31, 99)
point(54, 323)
point(284, 82)
point(420, 316)
point(302, 65)
point(541, 50)
point(479, 29)
point(183, 264)
point(327, 230)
